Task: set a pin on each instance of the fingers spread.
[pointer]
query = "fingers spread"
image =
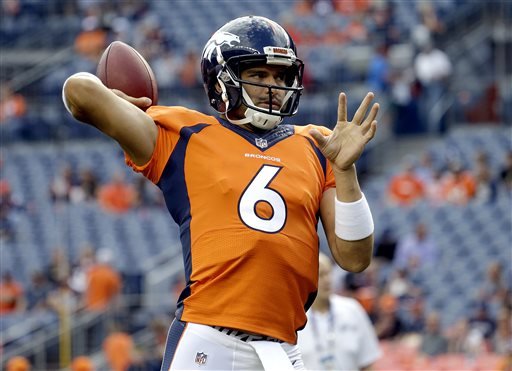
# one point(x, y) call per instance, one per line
point(342, 107)
point(370, 118)
point(371, 132)
point(361, 111)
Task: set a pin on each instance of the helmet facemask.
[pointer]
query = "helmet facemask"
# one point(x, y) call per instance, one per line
point(234, 94)
point(243, 43)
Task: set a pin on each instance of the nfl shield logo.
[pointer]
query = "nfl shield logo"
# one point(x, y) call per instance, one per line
point(262, 143)
point(201, 358)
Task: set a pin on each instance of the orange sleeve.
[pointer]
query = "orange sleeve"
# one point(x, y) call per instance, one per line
point(169, 121)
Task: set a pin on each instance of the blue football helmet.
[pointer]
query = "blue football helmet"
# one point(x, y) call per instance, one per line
point(243, 43)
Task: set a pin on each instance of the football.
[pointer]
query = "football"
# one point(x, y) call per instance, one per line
point(121, 67)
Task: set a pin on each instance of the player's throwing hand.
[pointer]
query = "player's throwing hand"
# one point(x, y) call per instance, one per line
point(348, 139)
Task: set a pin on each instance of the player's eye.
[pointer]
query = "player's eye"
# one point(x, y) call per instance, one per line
point(281, 76)
point(258, 75)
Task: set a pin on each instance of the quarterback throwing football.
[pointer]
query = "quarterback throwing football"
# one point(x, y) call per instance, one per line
point(246, 192)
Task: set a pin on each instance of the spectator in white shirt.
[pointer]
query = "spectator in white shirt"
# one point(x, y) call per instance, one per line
point(338, 334)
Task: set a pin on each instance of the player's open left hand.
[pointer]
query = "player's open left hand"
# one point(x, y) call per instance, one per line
point(143, 102)
point(348, 138)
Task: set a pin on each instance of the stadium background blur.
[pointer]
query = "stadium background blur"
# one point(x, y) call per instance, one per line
point(441, 163)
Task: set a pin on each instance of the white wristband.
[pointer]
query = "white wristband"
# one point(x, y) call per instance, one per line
point(353, 220)
point(86, 75)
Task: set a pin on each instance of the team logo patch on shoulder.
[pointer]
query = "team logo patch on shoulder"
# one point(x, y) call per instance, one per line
point(201, 358)
point(262, 143)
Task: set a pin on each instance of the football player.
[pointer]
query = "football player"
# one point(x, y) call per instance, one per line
point(246, 192)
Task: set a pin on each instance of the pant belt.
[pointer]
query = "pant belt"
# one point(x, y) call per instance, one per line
point(240, 335)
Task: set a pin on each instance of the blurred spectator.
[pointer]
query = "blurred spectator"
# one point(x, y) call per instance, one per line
point(92, 39)
point(104, 282)
point(413, 320)
point(432, 68)
point(63, 300)
point(79, 272)
point(457, 335)
point(378, 75)
point(356, 281)
point(8, 204)
point(149, 38)
point(501, 341)
point(12, 296)
point(82, 363)
point(147, 194)
point(485, 187)
point(435, 189)
point(433, 342)
point(506, 173)
point(61, 185)
point(302, 8)
point(425, 170)
point(387, 322)
point(356, 31)
point(118, 348)
point(13, 110)
point(494, 289)
point(38, 291)
point(458, 184)
point(350, 7)
point(118, 196)
point(166, 67)
point(102, 295)
point(338, 333)
point(11, 8)
point(385, 247)
point(383, 26)
point(85, 188)
point(417, 247)
point(429, 19)
point(58, 270)
point(189, 75)
point(18, 363)
point(484, 107)
point(481, 322)
point(404, 100)
point(400, 286)
point(405, 188)
point(153, 352)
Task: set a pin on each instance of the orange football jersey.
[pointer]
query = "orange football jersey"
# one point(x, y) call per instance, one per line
point(247, 206)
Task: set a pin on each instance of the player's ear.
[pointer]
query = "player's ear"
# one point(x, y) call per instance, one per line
point(217, 88)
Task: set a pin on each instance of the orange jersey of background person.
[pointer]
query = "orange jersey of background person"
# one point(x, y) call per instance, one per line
point(247, 206)
point(104, 284)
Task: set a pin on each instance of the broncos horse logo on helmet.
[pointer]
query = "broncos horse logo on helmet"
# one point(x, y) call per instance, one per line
point(241, 43)
point(217, 40)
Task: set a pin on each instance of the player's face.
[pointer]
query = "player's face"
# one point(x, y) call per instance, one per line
point(265, 75)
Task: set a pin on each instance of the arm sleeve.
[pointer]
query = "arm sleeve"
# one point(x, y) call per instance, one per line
point(169, 121)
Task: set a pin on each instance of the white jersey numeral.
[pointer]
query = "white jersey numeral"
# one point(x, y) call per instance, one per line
point(258, 191)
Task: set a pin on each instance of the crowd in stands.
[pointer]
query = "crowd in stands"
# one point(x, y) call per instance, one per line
point(450, 181)
point(390, 293)
point(118, 195)
point(412, 86)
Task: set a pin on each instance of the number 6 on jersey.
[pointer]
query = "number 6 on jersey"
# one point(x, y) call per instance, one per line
point(258, 191)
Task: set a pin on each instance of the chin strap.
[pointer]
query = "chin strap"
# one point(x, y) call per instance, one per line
point(258, 119)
